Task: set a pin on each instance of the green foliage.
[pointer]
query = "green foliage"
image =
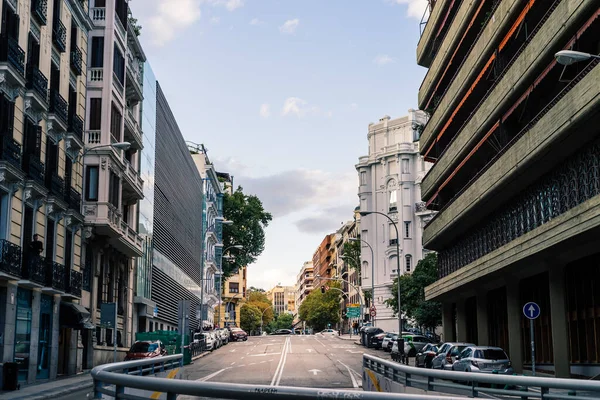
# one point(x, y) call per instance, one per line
point(281, 321)
point(320, 309)
point(137, 28)
point(427, 314)
point(261, 302)
point(248, 229)
point(255, 289)
point(250, 317)
point(351, 253)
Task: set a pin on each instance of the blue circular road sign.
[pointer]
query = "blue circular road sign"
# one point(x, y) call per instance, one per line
point(531, 310)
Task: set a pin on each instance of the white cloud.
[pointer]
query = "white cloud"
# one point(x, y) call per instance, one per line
point(265, 110)
point(289, 27)
point(215, 20)
point(256, 21)
point(294, 106)
point(416, 8)
point(231, 5)
point(383, 59)
point(171, 17)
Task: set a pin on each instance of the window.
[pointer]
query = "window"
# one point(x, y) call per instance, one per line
point(113, 189)
point(364, 236)
point(363, 177)
point(97, 52)
point(7, 114)
point(405, 166)
point(234, 287)
point(406, 196)
point(119, 65)
point(91, 183)
point(115, 123)
point(364, 272)
point(74, 34)
point(391, 167)
point(33, 52)
point(407, 229)
point(393, 200)
point(95, 114)
point(392, 234)
point(408, 262)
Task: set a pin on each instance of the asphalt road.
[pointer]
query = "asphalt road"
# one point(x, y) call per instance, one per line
point(297, 360)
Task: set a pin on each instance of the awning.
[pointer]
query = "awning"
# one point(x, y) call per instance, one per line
point(75, 316)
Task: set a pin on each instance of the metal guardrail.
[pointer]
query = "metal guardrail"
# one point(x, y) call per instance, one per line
point(470, 384)
point(127, 375)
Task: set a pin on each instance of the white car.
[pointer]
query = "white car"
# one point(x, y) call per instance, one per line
point(217, 339)
point(209, 341)
point(224, 333)
point(329, 332)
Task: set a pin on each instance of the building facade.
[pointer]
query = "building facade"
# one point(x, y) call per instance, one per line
point(324, 261)
point(283, 299)
point(232, 299)
point(516, 176)
point(390, 183)
point(304, 283)
point(43, 47)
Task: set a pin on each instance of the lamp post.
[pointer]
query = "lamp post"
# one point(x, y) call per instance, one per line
point(235, 246)
point(372, 267)
point(568, 57)
point(117, 145)
point(365, 213)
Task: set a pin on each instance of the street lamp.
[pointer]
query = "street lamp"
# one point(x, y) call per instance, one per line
point(117, 145)
point(372, 268)
point(568, 57)
point(365, 213)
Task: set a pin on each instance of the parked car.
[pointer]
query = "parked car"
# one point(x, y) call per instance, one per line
point(224, 335)
point(209, 341)
point(146, 349)
point(329, 332)
point(387, 343)
point(484, 359)
point(447, 354)
point(370, 332)
point(238, 334)
point(217, 338)
point(282, 332)
point(426, 355)
point(377, 340)
point(414, 343)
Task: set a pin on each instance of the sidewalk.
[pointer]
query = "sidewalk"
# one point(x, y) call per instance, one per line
point(51, 390)
point(353, 338)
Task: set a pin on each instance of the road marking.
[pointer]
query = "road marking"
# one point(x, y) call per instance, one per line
point(320, 342)
point(278, 366)
point(289, 344)
point(232, 363)
point(207, 377)
point(309, 350)
point(352, 378)
point(315, 371)
point(263, 354)
point(171, 375)
point(263, 362)
point(374, 380)
point(279, 371)
point(231, 351)
point(251, 363)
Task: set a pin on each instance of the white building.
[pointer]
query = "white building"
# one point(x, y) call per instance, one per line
point(389, 182)
point(304, 283)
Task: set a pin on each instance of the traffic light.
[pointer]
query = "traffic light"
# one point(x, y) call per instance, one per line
point(323, 289)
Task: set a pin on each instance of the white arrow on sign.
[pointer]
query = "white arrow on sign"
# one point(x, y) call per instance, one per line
point(314, 371)
point(531, 310)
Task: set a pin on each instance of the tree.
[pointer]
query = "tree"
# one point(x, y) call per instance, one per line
point(250, 317)
point(261, 301)
point(248, 229)
point(137, 28)
point(281, 321)
point(351, 253)
point(426, 313)
point(254, 289)
point(320, 309)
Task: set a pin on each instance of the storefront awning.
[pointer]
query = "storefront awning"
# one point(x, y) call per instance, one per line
point(75, 316)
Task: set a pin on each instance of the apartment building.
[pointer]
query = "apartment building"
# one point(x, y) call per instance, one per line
point(43, 48)
point(515, 141)
point(304, 283)
point(212, 219)
point(232, 299)
point(324, 261)
point(283, 299)
point(390, 183)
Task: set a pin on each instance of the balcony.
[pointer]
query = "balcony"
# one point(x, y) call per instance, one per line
point(58, 111)
point(34, 167)
point(120, 28)
point(73, 283)
point(73, 199)
point(33, 272)
point(96, 75)
point(10, 260)
point(12, 61)
point(59, 35)
point(37, 88)
point(98, 15)
point(39, 9)
point(135, 79)
point(108, 222)
point(55, 184)
point(10, 159)
point(55, 278)
point(76, 60)
point(133, 184)
point(74, 136)
point(133, 132)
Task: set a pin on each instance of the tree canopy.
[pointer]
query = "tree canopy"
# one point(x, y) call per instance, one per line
point(260, 301)
point(281, 321)
point(320, 309)
point(248, 229)
point(427, 314)
point(351, 253)
point(250, 317)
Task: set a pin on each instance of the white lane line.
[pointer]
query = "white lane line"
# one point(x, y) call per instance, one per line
point(263, 354)
point(279, 364)
point(251, 363)
point(207, 377)
point(283, 364)
point(320, 342)
point(232, 363)
point(352, 378)
point(290, 344)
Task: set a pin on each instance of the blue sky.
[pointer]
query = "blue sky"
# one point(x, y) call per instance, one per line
point(281, 93)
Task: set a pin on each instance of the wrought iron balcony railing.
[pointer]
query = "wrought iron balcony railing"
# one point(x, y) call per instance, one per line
point(55, 275)
point(59, 35)
point(34, 168)
point(10, 151)
point(73, 198)
point(76, 126)
point(37, 81)
point(73, 282)
point(58, 105)
point(12, 53)
point(55, 184)
point(34, 268)
point(39, 9)
point(76, 60)
point(10, 258)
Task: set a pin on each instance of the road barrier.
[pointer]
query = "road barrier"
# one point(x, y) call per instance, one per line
point(386, 376)
point(125, 380)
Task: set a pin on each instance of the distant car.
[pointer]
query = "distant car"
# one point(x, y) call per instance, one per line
point(224, 335)
point(377, 340)
point(447, 354)
point(485, 359)
point(217, 338)
point(146, 349)
point(329, 332)
point(387, 343)
point(238, 334)
point(282, 332)
point(425, 357)
point(209, 341)
point(414, 343)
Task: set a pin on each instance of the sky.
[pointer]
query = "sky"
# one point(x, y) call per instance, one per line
point(281, 93)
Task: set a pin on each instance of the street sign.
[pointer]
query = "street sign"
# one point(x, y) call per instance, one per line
point(373, 308)
point(373, 312)
point(352, 312)
point(155, 312)
point(349, 305)
point(531, 310)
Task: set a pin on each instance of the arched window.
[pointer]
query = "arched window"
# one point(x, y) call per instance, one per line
point(393, 263)
point(408, 262)
point(364, 272)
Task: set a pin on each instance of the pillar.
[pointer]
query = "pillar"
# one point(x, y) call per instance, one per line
point(35, 334)
point(55, 330)
point(482, 320)
point(10, 319)
point(461, 321)
point(558, 316)
point(514, 311)
point(447, 322)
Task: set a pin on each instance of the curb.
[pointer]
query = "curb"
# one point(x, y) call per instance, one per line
point(57, 393)
point(200, 355)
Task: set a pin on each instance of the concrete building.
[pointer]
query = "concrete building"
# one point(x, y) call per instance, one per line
point(515, 140)
point(324, 261)
point(212, 213)
point(390, 182)
point(43, 47)
point(283, 299)
point(113, 186)
point(304, 283)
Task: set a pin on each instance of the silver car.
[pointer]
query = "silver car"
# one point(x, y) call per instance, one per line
point(484, 359)
point(447, 354)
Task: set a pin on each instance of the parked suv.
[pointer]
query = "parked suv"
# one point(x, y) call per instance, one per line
point(447, 354)
point(486, 359)
point(238, 334)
